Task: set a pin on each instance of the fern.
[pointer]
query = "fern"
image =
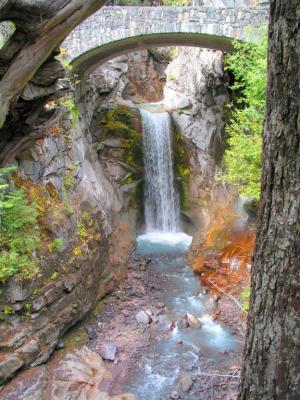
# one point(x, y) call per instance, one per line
point(19, 235)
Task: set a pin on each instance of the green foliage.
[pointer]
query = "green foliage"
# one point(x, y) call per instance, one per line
point(119, 123)
point(27, 309)
point(57, 244)
point(243, 156)
point(54, 276)
point(171, 77)
point(69, 177)
point(68, 103)
point(245, 295)
point(18, 234)
point(182, 170)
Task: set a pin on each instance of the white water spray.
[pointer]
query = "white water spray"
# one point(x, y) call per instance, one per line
point(161, 200)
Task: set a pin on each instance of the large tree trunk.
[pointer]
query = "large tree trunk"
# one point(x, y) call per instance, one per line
point(272, 354)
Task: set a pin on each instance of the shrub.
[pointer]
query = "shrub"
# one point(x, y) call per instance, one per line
point(243, 156)
point(19, 235)
point(57, 244)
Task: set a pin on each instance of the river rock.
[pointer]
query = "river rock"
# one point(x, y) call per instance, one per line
point(185, 383)
point(175, 395)
point(108, 351)
point(60, 346)
point(193, 321)
point(182, 323)
point(154, 311)
point(143, 318)
point(78, 375)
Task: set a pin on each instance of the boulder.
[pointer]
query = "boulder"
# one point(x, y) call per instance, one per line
point(143, 318)
point(193, 321)
point(108, 351)
point(185, 383)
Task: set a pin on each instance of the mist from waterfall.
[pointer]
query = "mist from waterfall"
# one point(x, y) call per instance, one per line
point(161, 199)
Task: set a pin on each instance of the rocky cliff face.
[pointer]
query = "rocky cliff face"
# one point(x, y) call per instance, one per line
point(86, 178)
point(196, 93)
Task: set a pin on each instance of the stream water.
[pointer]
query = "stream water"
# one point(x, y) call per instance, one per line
point(179, 350)
point(174, 348)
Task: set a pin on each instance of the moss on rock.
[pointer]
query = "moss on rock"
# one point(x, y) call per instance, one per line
point(182, 169)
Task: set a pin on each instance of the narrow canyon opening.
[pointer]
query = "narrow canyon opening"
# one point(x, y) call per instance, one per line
point(130, 208)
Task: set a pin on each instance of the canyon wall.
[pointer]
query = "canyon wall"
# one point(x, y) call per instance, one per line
point(196, 93)
point(86, 178)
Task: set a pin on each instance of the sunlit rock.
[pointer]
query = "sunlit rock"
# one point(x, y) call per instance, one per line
point(108, 351)
point(193, 321)
point(143, 318)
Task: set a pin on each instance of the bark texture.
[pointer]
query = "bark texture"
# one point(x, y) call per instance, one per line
point(41, 25)
point(272, 354)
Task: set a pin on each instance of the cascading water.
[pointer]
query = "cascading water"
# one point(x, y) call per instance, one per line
point(161, 200)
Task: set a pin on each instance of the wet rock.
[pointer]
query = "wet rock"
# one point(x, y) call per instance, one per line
point(90, 331)
point(178, 341)
point(161, 305)
point(154, 311)
point(182, 324)
point(183, 102)
point(193, 321)
point(60, 346)
point(9, 363)
point(143, 318)
point(77, 376)
point(108, 351)
point(175, 395)
point(30, 350)
point(38, 303)
point(172, 326)
point(185, 383)
point(14, 341)
point(16, 291)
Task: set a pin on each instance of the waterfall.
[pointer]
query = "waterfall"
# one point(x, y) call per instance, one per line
point(161, 200)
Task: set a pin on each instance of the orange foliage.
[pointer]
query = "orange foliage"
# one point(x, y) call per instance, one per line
point(50, 207)
point(223, 255)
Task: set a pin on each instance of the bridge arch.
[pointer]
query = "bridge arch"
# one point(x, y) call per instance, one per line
point(113, 31)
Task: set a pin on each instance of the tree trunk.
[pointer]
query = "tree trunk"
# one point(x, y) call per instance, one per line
point(29, 71)
point(272, 354)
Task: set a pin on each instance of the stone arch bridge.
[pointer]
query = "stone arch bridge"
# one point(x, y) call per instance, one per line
point(113, 31)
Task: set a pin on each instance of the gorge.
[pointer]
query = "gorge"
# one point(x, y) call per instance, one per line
point(129, 162)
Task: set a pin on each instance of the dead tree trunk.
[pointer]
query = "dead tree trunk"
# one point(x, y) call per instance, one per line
point(272, 354)
point(40, 27)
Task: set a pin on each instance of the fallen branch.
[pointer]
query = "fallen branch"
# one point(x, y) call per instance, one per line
point(229, 295)
point(221, 375)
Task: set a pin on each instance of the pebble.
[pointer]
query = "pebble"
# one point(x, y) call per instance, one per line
point(193, 321)
point(143, 318)
point(108, 351)
point(60, 346)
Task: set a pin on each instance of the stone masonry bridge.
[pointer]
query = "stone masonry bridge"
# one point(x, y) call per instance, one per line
point(113, 31)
